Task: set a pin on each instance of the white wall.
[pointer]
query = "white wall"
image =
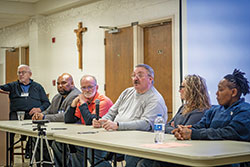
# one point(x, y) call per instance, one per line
point(48, 59)
point(15, 36)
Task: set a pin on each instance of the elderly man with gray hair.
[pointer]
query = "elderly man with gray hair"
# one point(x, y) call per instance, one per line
point(25, 95)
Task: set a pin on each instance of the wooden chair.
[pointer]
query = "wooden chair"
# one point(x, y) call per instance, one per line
point(21, 146)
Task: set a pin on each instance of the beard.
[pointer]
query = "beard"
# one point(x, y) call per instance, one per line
point(89, 95)
point(64, 92)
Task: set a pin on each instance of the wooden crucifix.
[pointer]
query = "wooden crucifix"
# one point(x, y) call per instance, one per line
point(79, 32)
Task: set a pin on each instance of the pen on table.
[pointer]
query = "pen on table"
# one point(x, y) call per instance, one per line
point(58, 128)
point(89, 132)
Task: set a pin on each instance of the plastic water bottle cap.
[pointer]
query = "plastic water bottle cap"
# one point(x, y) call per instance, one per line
point(159, 115)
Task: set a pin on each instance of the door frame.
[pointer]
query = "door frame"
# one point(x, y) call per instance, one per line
point(22, 59)
point(138, 56)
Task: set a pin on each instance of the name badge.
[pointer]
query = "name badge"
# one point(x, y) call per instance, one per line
point(23, 94)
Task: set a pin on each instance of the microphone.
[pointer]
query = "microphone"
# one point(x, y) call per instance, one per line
point(97, 105)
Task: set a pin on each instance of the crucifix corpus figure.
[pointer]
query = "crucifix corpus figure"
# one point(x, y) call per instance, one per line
point(79, 32)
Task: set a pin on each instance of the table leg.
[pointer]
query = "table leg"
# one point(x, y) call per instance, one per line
point(115, 160)
point(7, 149)
point(93, 157)
point(85, 157)
point(64, 155)
point(30, 143)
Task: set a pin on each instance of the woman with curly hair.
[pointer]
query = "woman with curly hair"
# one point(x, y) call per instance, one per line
point(193, 91)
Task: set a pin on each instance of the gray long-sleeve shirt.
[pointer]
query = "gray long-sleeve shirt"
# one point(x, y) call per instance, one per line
point(136, 111)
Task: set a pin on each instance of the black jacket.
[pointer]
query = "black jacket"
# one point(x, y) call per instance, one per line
point(37, 97)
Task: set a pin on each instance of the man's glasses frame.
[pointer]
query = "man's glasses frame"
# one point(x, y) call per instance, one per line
point(88, 87)
point(139, 75)
point(22, 72)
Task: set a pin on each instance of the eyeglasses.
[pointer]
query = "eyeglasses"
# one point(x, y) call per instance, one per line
point(22, 72)
point(181, 87)
point(88, 87)
point(133, 76)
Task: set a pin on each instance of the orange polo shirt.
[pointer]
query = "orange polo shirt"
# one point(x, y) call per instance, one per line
point(105, 104)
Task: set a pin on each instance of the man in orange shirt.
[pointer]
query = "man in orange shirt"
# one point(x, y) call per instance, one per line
point(83, 111)
point(83, 106)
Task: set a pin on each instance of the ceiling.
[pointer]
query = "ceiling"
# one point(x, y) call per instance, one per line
point(17, 11)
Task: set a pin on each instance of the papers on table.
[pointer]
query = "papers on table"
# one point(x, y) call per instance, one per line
point(166, 145)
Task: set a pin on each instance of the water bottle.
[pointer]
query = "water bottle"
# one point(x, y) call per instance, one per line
point(159, 129)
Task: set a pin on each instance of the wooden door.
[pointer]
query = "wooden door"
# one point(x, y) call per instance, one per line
point(12, 62)
point(118, 62)
point(25, 55)
point(158, 54)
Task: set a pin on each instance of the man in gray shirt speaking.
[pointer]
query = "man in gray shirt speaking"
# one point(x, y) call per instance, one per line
point(138, 106)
